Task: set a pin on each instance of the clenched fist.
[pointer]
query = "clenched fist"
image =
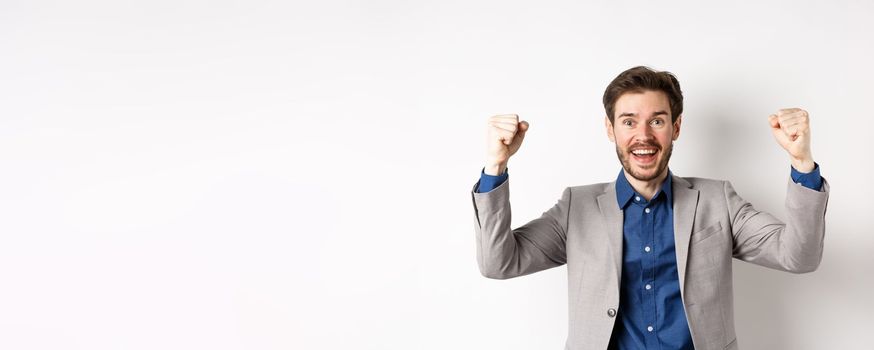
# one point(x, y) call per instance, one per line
point(504, 136)
point(791, 129)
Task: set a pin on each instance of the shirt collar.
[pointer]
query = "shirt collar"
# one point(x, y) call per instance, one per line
point(624, 191)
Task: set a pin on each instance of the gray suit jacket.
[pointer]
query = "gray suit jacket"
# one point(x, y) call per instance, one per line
point(712, 224)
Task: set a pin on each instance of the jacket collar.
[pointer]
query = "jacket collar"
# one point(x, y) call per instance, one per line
point(685, 203)
point(624, 191)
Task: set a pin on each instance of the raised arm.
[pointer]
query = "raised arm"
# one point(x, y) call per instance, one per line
point(503, 252)
point(796, 245)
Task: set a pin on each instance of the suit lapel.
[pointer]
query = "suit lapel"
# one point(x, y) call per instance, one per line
point(685, 204)
point(613, 225)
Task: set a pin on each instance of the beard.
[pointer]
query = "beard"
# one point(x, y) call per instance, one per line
point(661, 165)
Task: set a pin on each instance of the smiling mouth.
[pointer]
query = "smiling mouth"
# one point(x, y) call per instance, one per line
point(644, 155)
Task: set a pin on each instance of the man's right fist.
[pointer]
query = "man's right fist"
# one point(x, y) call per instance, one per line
point(505, 135)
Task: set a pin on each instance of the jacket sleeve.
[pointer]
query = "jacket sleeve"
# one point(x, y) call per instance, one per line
point(794, 246)
point(503, 252)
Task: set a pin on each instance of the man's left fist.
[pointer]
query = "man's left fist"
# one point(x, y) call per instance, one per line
point(791, 129)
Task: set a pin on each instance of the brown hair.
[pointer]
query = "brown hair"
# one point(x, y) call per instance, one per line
point(640, 79)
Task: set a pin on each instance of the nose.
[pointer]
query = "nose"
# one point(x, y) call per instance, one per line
point(644, 134)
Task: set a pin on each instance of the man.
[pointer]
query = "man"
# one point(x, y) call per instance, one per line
point(649, 255)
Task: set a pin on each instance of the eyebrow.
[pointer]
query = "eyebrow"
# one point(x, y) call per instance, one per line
point(629, 114)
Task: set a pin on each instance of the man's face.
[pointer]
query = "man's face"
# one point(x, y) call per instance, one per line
point(643, 133)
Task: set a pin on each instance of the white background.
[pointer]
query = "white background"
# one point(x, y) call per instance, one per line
point(290, 175)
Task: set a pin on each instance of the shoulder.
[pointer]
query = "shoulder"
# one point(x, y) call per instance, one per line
point(703, 182)
point(704, 185)
point(590, 190)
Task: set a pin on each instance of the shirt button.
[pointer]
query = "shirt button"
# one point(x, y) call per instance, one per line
point(646, 210)
point(649, 328)
point(647, 249)
point(648, 287)
point(637, 198)
point(611, 312)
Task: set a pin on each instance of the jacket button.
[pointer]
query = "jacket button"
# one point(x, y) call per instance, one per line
point(611, 312)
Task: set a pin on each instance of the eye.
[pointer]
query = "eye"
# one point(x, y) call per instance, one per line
point(657, 122)
point(626, 122)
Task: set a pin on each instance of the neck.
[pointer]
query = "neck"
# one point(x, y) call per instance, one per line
point(647, 189)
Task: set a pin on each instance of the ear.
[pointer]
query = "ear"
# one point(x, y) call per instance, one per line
point(609, 126)
point(677, 127)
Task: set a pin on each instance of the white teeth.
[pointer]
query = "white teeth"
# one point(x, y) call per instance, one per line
point(644, 151)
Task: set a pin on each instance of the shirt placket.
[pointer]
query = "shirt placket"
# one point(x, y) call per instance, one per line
point(648, 275)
